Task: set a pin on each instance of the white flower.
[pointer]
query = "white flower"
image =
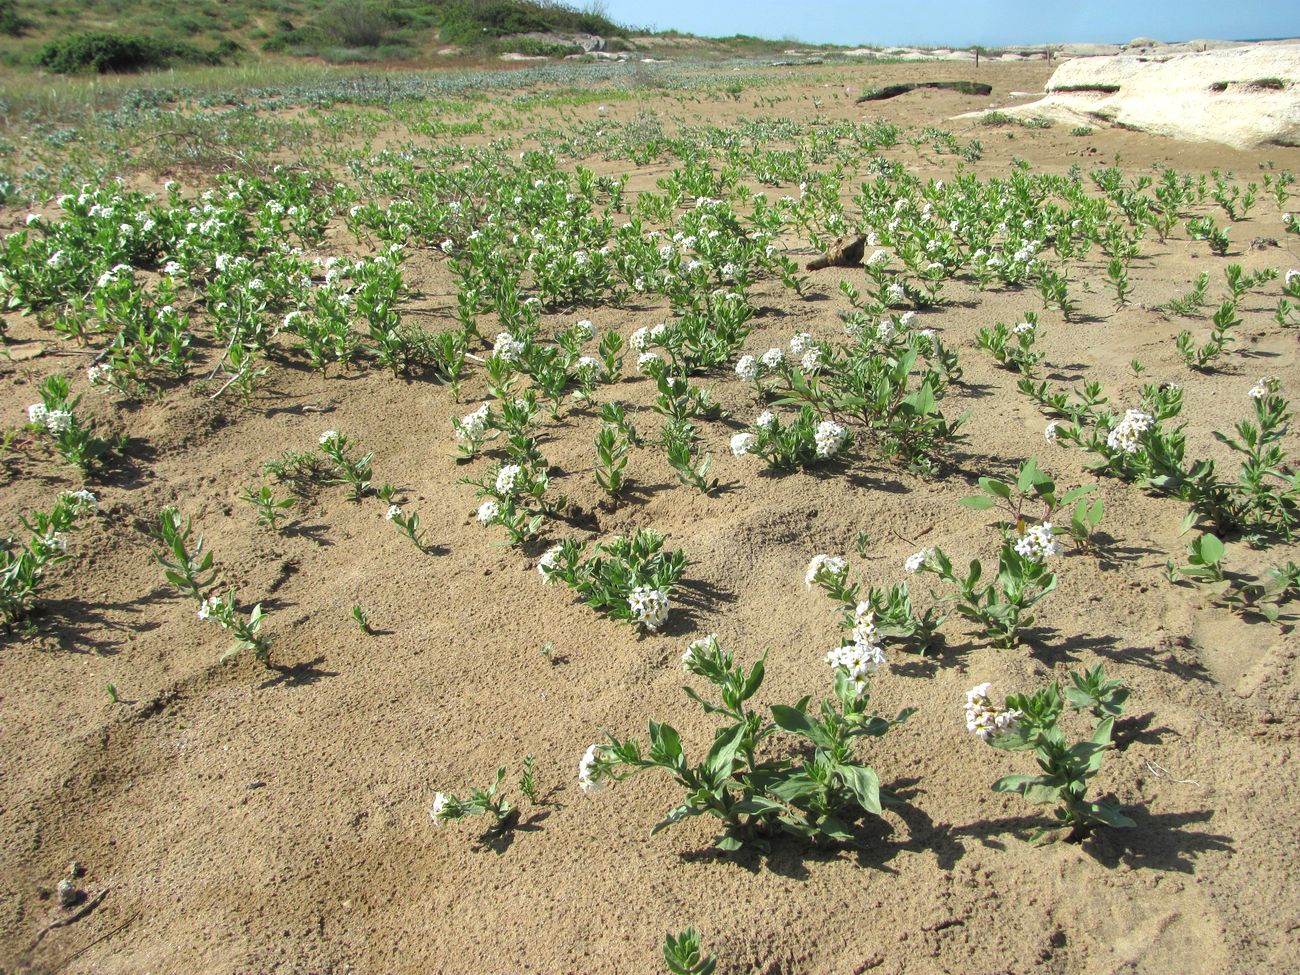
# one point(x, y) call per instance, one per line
point(57, 259)
point(81, 499)
point(473, 425)
point(747, 368)
point(1125, 435)
point(588, 364)
point(585, 329)
point(812, 360)
point(917, 560)
point(878, 258)
point(507, 477)
point(639, 339)
point(207, 606)
point(645, 360)
point(773, 358)
point(171, 269)
point(1262, 388)
point(1291, 275)
point(97, 374)
point(586, 769)
point(507, 347)
point(859, 660)
point(766, 420)
point(447, 246)
point(832, 565)
point(896, 294)
point(830, 438)
point(438, 810)
point(31, 219)
point(58, 421)
point(704, 644)
point(906, 319)
point(1049, 431)
point(1038, 543)
point(488, 511)
point(328, 436)
point(742, 443)
point(649, 606)
point(549, 562)
point(36, 414)
point(393, 511)
point(800, 343)
point(983, 717)
point(1024, 328)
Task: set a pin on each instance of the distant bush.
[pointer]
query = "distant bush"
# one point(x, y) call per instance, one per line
point(11, 23)
point(534, 46)
point(352, 25)
point(105, 52)
point(471, 22)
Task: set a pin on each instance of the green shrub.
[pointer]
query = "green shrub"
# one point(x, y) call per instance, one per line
point(11, 23)
point(471, 22)
point(105, 52)
point(534, 46)
point(352, 25)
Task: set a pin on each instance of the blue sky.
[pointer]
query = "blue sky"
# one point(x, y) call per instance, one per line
point(966, 22)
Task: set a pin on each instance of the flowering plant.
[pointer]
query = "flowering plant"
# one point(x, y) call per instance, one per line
point(1029, 722)
point(819, 798)
point(631, 579)
point(22, 568)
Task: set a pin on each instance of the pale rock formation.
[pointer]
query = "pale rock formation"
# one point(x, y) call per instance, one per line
point(1243, 96)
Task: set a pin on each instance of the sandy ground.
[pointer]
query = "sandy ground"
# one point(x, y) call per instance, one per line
point(252, 821)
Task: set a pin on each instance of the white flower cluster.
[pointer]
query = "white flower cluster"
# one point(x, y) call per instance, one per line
point(747, 368)
point(507, 478)
point(649, 606)
point(766, 420)
point(800, 343)
point(812, 360)
point(1291, 276)
point(488, 511)
point(328, 436)
point(474, 425)
point(832, 564)
point(1262, 388)
point(81, 499)
point(708, 643)
point(507, 347)
point(586, 769)
point(438, 811)
point(549, 562)
point(55, 421)
point(585, 329)
point(742, 444)
point(1038, 543)
point(830, 438)
point(985, 718)
point(1050, 433)
point(1024, 328)
point(773, 358)
point(393, 511)
point(864, 656)
point(1125, 436)
point(878, 259)
point(917, 560)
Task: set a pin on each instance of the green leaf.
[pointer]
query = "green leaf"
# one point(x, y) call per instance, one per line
point(796, 722)
point(723, 753)
point(728, 843)
point(1209, 548)
point(994, 486)
point(673, 817)
point(865, 785)
point(977, 502)
point(1108, 813)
